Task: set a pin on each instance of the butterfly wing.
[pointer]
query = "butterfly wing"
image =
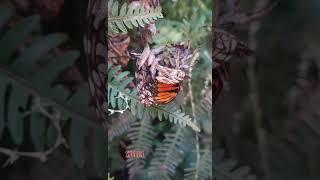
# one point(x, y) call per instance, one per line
point(226, 45)
point(217, 84)
point(166, 92)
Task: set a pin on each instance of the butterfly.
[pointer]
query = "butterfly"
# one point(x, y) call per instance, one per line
point(225, 46)
point(169, 75)
point(161, 71)
point(169, 82)
point(219, 75)
point(166, 92)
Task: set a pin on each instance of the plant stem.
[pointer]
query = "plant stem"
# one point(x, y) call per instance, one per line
point(254, 98)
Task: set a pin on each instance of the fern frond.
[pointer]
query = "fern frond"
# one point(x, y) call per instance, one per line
point(25, 91)
point(204, 110)
point(16, 100)
point(117, 82)
point(174, 114)
point(205, 105)
point(169, 154)
point(20, 91)
point(204, 169)
point(226, 169)
point(141, 134)
point(120, 125)
point(129, 16)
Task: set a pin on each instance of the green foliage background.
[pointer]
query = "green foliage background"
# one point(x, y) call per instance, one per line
point(288, 82)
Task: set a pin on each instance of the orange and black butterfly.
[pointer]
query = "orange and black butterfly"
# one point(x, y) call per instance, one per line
point(225, 46)
point(166, 92)
point(220, 75)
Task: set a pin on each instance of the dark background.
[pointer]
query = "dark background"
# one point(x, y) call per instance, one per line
point(287, 77)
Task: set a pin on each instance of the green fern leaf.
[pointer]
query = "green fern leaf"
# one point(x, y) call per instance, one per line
point(204, 111)
point(141, 134)
point(120, 125)
point(46, 73)
point(204, 169)
point(17, 102)
point(37, 50)
point(169, 154)
point(226, 169)
point(129, 16)
point(100, 152)
point(37, 130)
point(51, 136)
point(3, 89)
point(18, 91)
point(174, 114)
point(76, 142)
point(12, 38)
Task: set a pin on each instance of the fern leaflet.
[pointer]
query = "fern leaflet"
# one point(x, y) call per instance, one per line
point(204, 169)
point(226, 169)
point(129, 16)
point(120, 125)
point(169, 154)
point(141, 134)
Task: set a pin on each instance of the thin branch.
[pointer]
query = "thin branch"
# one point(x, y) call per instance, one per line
point(194, 117)
point(254, 98)
point(41, 155)
point(233, 17)
point(121, 111)
point(34, 91)
point(246, 18)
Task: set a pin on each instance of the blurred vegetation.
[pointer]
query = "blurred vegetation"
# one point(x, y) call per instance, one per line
point(45, 118)
point(287, 72)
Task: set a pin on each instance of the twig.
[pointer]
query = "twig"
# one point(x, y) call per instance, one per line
point(249, 17)
point(58, 105)
point(121, 111)
point(110, 178)
point(41, 155)
point(202, 5)
point(254, 98)
point(194, 116)
point(207, 83)
point(235, 17)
